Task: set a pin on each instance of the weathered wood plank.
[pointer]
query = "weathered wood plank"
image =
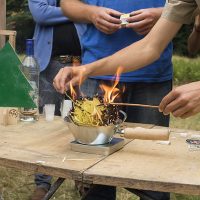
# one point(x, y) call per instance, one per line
point(152, 166)
point(2, 20)
point(43, 147)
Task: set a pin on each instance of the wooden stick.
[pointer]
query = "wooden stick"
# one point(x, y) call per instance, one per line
point(134, 104)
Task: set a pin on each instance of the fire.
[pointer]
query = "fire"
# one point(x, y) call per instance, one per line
point(111, 92)
point(72, 91)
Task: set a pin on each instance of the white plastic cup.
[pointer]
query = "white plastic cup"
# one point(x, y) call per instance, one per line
point(49, 110)
point(66, 106)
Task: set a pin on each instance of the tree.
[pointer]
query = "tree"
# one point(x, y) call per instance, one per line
point(16, 6)
point(20, 19)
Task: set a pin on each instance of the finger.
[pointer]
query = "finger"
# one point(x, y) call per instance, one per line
point(114, 16)
point(180, 111)
point(107, 26)
point(187, 114)
point(137, 12)
point(105, 29)
point(54, 85)
point(139, 25)
point(166, 100)
point(144, 31)
point(72, 83)
point(64, 78)
point(56, 81)
point(173, 106)
point(136, 18)
point(107, 23)
point(190, 113)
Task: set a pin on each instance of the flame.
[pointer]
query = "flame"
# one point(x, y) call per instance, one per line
point(72, 91)
point(111, 92)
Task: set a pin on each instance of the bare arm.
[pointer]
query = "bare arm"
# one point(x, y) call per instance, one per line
point(130, 58)
point(138, 54)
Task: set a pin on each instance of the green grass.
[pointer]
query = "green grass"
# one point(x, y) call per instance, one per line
point(186, 69)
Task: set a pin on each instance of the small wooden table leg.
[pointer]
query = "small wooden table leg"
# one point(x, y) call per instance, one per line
point(54, 188)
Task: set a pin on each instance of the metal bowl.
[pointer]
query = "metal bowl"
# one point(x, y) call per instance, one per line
point(94, 135)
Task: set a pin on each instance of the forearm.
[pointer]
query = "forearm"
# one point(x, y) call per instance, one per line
point(77, 10)
point(138, 54)
point(129, 59)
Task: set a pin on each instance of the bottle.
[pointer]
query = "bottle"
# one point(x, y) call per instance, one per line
point(30, 68)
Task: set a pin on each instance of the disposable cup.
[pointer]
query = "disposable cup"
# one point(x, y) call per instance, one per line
point(49, 110)
point(65, 107)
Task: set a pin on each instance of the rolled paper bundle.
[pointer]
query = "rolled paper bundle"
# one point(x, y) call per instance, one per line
point(146, 134)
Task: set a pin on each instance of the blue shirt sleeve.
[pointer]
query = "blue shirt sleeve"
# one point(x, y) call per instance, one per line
point(45, 14)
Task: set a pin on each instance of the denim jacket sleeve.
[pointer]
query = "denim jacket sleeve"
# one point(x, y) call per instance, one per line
point(46, 14)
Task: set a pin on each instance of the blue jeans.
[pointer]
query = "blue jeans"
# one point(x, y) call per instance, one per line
point(143, 93)
point(48, 95)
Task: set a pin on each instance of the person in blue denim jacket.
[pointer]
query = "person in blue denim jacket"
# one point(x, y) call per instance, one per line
point(104, 36)
point(56, 44)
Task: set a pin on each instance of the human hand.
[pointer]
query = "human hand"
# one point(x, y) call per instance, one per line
point(106, 20)
point(183, 101)
point(141, 21)
point(69, 76)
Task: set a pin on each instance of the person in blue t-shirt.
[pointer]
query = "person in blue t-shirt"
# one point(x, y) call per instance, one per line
point(103, 37)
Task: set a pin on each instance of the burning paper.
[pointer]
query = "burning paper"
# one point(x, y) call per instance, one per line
point(96, 111)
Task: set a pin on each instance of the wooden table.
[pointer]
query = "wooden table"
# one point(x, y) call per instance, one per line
point(44, 147)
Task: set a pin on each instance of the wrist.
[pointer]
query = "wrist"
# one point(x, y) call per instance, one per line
point(91, 13)
point(157, 12)
point(86, 71)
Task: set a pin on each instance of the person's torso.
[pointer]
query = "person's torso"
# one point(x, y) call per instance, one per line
point(65, 39)
point(44, 34)
point(97, 45)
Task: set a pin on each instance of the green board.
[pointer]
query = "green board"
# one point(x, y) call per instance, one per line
point(14, 87)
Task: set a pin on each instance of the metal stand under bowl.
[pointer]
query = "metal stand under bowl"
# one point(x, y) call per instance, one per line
point(105, 149)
